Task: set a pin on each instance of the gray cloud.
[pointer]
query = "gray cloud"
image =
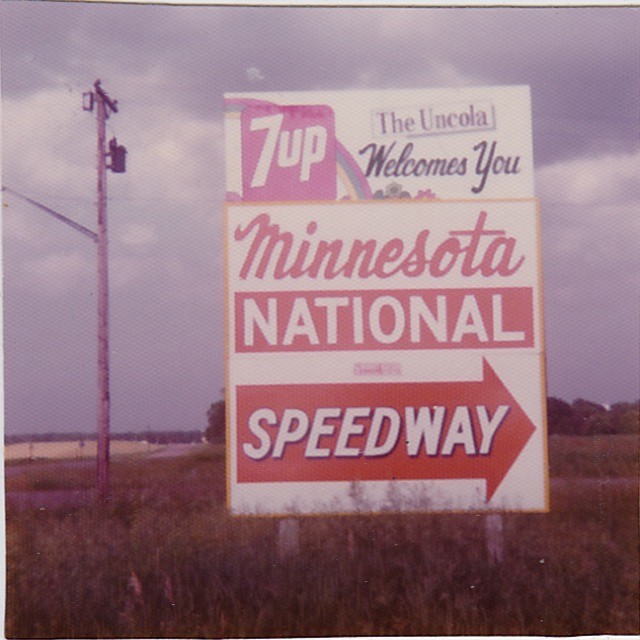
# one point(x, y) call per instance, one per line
point(168, 66)
point(581, 63)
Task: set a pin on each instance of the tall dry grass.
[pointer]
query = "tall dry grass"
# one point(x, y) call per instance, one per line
point(164, 559)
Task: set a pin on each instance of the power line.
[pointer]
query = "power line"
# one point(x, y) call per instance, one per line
point(56, 214)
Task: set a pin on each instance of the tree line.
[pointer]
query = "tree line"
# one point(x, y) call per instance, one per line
point(579, 418)
point(153, 437)
point(585, 418)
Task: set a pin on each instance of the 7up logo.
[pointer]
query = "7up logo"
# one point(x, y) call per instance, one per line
point(288, 153)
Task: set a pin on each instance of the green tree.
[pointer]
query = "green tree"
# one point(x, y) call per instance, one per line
point(561, 417)
point(592, 418)
point(625, 417)
point(216, 430)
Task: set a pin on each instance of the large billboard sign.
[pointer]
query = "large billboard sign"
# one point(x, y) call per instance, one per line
point(384, 352)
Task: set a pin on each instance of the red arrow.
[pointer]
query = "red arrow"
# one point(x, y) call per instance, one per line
point(452, 461)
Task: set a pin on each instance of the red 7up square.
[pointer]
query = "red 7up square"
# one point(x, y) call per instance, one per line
point(288, 153)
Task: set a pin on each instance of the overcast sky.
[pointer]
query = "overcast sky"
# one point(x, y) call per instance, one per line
point(168, 67)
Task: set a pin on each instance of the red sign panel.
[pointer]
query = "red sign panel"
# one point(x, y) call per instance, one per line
point(343, 432)
point(355, 320)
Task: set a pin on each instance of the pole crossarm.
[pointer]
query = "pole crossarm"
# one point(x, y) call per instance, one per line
point(112, 104)
point(55, 214)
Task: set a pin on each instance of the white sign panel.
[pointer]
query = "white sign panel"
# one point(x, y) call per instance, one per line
point(385, 355)
point(359, 145)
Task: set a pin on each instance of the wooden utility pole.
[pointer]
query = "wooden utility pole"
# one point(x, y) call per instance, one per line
point(104, 106)
point(103, 300)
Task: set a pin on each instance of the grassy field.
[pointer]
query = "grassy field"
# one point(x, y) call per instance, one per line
point(594, 457)
point(72, 450)
point(164, 559)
